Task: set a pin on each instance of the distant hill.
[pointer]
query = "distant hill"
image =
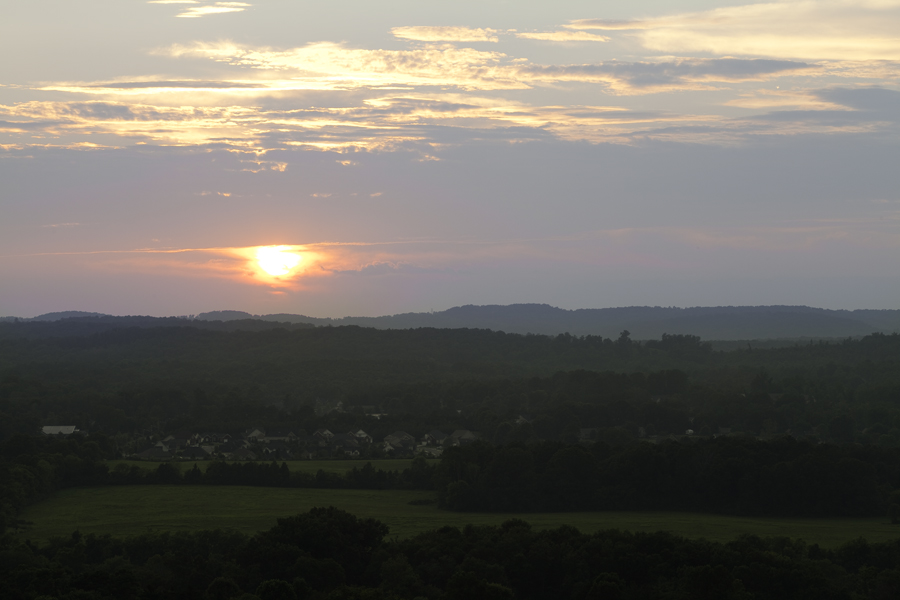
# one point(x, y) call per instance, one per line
point(79, 326)
point(56, 316)
point(643, 322)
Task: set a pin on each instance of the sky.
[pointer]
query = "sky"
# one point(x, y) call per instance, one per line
point(349, 157)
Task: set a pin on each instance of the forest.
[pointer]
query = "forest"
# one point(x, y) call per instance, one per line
point(135, 380)
point(563, 423)
point(330, 554)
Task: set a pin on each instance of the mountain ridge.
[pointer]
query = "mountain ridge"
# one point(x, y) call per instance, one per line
point(642, 322)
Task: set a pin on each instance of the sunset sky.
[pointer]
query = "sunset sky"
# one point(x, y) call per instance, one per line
point(349, 157)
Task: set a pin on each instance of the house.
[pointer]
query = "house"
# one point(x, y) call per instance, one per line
point(402, 435)
point(361, 436)
point(434, 437)
point(323, 435)
point(279, 435)
point(278, 449)
point(399, 442)
point(59, 429)
point(215, 438)
point(255, 434)
point(400, 439)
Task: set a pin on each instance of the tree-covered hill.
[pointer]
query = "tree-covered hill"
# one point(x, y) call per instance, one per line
point(644, 322)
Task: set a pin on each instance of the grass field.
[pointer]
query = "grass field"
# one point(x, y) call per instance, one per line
point(307, 466)
point(129, 510)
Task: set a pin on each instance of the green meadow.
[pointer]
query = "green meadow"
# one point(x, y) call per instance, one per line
point(304, 466)
point(130, 510)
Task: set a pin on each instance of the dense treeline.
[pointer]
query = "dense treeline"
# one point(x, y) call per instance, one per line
point(143, 380)
point(733, 475)
point(33, 467)
point(329, 554)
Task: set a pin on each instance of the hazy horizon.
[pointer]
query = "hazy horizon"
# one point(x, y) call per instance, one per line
point(442, 310)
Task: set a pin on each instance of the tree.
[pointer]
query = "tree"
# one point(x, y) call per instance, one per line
point(276, 589)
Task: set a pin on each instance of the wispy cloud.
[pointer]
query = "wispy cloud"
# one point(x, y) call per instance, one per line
point(806, 29)
point(424, 33)
point(328, 65)
point(413, 121)
point(562, 36)
point(323, 64)
point(176, 126)
point(217, 8)
point(202, 9)
point(665, 75)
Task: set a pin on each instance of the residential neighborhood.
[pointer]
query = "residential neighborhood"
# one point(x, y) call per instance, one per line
point(287, 444)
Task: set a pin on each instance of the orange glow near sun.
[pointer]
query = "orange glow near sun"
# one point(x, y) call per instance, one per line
point(277, 260)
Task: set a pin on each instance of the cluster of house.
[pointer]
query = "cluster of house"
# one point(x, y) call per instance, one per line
point(272, 444)
point(61, 430)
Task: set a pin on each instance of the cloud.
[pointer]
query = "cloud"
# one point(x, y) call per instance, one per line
point(170, 125)
point(871, 100)
point(875, 110)
point(215, 8)
point(445, 34)
point(408, 121)
point(767, 99)
point(806, 29)
point(326, 65)
point(638, 77)
point(610, 24)
point(562, 36)
point(180, 85)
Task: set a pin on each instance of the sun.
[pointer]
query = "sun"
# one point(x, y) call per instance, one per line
point(277, 260)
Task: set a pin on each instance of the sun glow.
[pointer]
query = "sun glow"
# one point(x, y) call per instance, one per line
point(277, 260)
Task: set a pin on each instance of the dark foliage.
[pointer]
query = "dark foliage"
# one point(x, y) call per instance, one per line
point(328, 553)
point(732, 475)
